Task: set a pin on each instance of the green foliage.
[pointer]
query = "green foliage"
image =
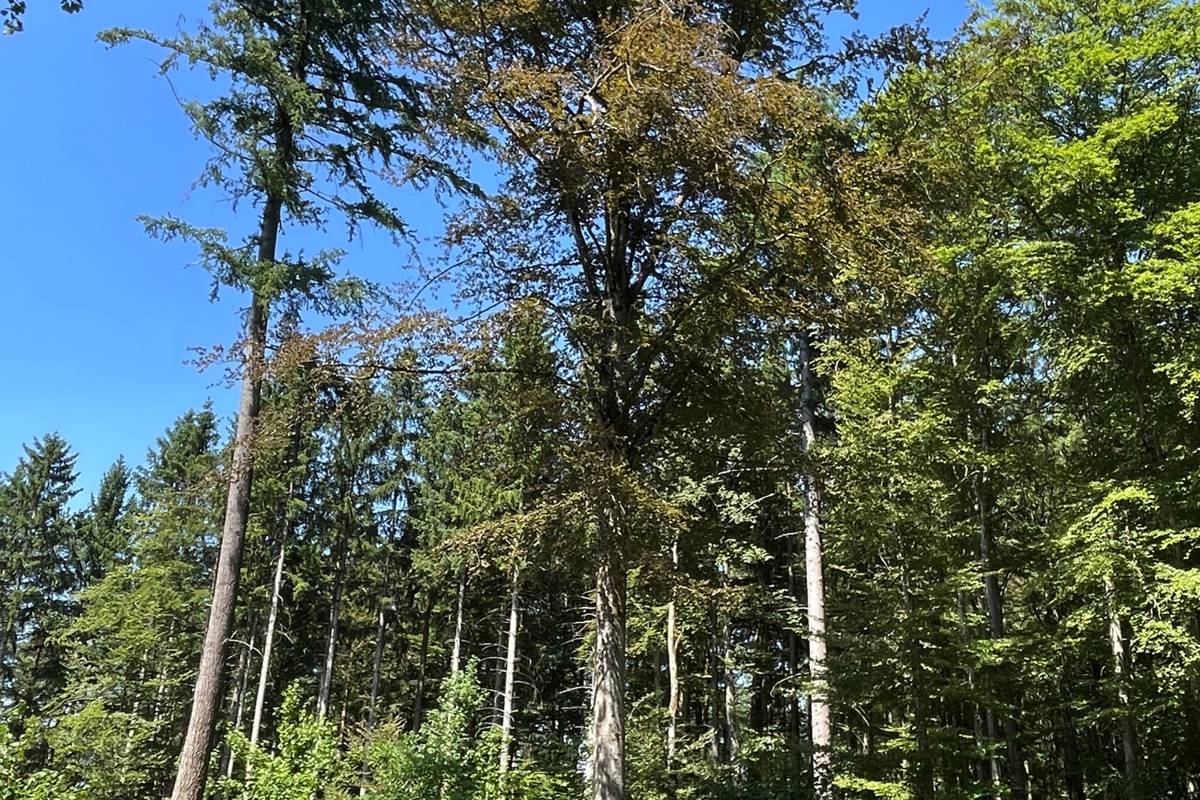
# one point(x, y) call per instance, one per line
point(16, 783)
point(452, 758)
point(307, 763)
point(14, 10)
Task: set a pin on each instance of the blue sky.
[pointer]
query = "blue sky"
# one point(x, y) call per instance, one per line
point(96, 319)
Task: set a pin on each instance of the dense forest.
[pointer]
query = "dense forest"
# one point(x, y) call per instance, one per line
point(789, 416)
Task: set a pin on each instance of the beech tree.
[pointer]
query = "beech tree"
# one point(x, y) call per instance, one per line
point(624, 131)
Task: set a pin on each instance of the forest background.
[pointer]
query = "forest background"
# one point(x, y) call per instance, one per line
point(707, 402)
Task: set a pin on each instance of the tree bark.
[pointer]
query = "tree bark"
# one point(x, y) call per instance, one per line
point(331, 641)
point(456, 650)
point(814, 572)
point(732, 744)
point(238, 701)
point(419, 695)
point(675, 701)
point(1118, 642)
point(608, 666)
point(1072, 767)
point(510, 673)
point(192, 774)
point(264, 670)
point(1017, 779)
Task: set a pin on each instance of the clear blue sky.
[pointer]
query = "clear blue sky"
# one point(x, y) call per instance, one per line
point(96, 318)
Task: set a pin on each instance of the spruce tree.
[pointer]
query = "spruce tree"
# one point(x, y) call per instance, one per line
point(312, 111)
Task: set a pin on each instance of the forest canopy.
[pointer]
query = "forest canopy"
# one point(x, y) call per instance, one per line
point(815, 416)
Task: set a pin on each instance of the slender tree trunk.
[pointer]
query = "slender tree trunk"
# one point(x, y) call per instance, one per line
point(456, 650)
point(331, 641)
point(238, 701)
point(675, 701)
point(733, 746)
point(423, 662)
point(510, 672)
point(923, 771)
point(1017, 779)
point(814, 572)
point(376, 666)
point(381, 621)
point(1072, 767)
point(608, 666)
point(264, 670)
point(793, 709)
point(715, 704)
point(1121, 672)
point(193, 759)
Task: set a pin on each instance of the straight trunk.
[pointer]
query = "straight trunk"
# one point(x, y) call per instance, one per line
point(264, 670)
point(732, 745)
point(714, 688)
point(510, 673)
point(331, 641)
point(456, 650)
point(376, 665)
point(381, 621)
point(419, 695)
point(822, 726)
point(1072, 767)
point(608, 666)
point(242, 671)
point(923, 771)
point(675, 701)
point(793, 707)
point(1017, 779)
point(192, 774)
point(206, 697)
point(1121, 670)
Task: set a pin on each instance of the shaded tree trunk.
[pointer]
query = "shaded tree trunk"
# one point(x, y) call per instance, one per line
point(1119, 644)
point(331, 640)
point(422, 664)
point(1017, 779)
point(238, 701)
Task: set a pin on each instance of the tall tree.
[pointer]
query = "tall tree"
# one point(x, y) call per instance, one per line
point(312, 110)
point(625, 131)
point(45, 563)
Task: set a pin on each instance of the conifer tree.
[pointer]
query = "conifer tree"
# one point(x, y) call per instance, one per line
point(312, 111)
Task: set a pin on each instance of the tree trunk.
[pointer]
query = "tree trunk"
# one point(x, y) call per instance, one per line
point(510, 673)
point(1072, 768)
point(814, 572)
point(732, 745)
point(206, 697)
point(238, 701)
point(1121, 672)
point(675, 701)
point(715, 703)
point(456, 650)
point(376, 666)
point(1017, 779)
point(331, 641)
point(381, 621)
point(264, 670)
point(608, 666)
point(419, 695)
